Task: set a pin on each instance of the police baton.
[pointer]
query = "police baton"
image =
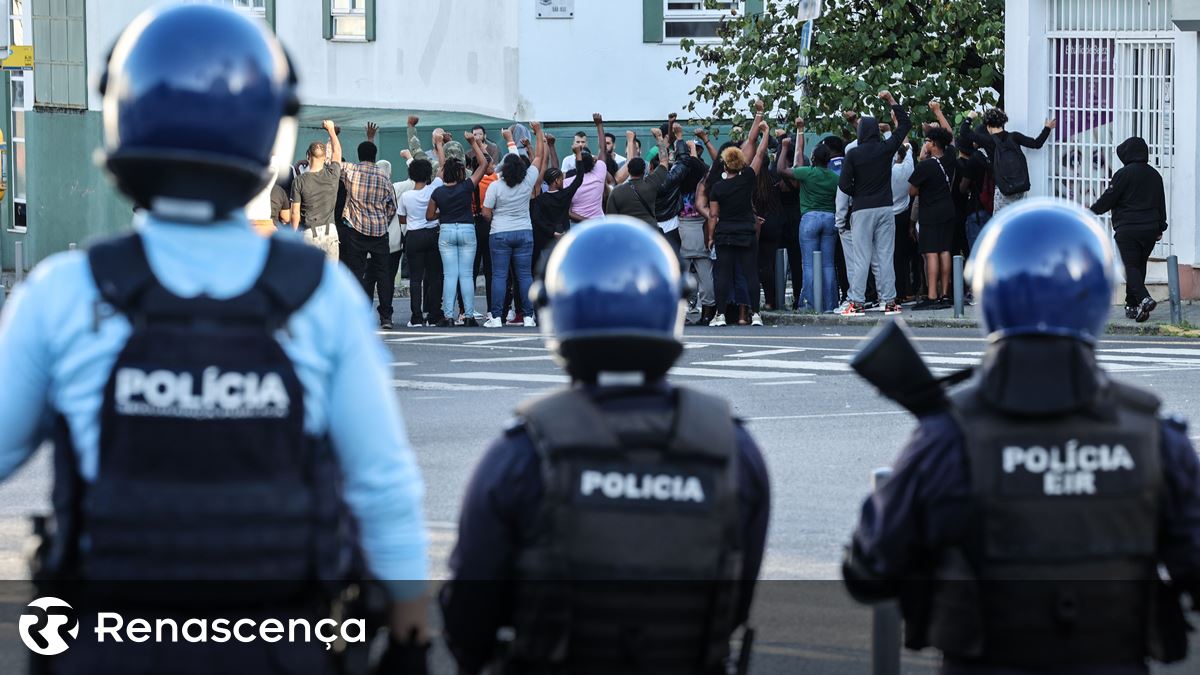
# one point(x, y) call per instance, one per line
point(743, 664)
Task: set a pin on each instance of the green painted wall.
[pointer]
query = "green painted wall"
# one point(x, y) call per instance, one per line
point(69, 197)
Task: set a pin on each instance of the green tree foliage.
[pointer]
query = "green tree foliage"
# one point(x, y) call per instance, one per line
point(921, 50)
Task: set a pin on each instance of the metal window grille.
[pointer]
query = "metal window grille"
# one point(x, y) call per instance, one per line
point(696, 19)
point(1112, 66)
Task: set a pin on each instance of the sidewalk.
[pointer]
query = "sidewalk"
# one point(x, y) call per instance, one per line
point(1159, 323)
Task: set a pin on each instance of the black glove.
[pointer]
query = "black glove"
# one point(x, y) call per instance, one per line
point(404, 658)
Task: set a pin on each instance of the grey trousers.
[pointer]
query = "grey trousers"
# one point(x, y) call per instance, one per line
point(874, 244)
point(704, 277)
point(1002, 200)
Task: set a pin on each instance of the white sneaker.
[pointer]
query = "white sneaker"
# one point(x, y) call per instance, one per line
point(479, 317)
point(416, 325)
point(718, 320)
point(492, 322)
point(755, 320)
point(512, 314)
point(530, 322)
point(840, 308)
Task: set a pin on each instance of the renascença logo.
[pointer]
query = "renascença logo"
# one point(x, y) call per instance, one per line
point(48, 625)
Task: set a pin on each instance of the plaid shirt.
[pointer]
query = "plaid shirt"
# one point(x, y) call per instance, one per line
point(370, 198)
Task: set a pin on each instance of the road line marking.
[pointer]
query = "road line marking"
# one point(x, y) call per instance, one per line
point(1154, 350)
point(728, 374)
point(498, 359)
point(827, 415)
point(443, 386)
point(772, 384)
point(765, 352)
point(414, 339)
point(505, 377)
point(503, 340)
point(781, 364)
point(403, 363)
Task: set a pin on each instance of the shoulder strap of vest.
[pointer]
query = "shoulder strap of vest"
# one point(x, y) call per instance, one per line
point(293, 272)
point(564, 421)
point(120, 270)
point(706, 425)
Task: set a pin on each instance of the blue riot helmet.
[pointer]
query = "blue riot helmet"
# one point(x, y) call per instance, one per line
point(197, 98)
point(613, 300)
point(1043, 267)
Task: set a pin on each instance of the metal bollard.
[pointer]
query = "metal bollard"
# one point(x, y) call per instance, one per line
point(885, 616)
point(2, 293)
point(71, 246)
point(19, 262)
point(780, 280)
point(1173, 289)
point(818, 284)
point(958, 286)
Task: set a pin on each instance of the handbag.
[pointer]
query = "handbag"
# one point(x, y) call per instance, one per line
point(326, 239)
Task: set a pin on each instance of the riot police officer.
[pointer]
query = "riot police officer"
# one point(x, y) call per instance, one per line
point(219, 402)
point(1027, 517)
point(618, 525)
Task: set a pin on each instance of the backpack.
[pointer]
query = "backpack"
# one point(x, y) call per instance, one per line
point(1009, 169)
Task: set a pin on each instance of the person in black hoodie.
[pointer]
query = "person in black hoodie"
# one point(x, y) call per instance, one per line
point(1139, 206)
point(1005, 157)
point(867, 178)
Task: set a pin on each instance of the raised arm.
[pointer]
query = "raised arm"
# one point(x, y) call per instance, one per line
point(630, 153)
point(941, 118)
point(661, 142)
point(755, 129)
point(781, 164)
point(603, 154)
point(482, 162)
point(551, 151)
point(1036, 143)
point(760, 155)
point(799, 159)
point(703, 136)
point(539, 161)
point(903, 123)
point(335, 145)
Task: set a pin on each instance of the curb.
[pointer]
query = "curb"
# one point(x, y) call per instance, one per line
point(917, 321)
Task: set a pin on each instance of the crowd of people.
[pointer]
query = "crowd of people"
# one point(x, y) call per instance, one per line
point(886, 216)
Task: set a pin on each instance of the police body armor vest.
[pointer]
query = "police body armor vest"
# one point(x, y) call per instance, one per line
point(638, 554)
point(1064, 536)
point(205, 470)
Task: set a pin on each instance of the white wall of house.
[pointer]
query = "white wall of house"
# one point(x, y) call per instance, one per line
point(492, 57)
point(597, 61)
point(1027, 102)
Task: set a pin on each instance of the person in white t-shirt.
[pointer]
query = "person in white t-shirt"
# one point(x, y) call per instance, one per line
point(506, 207)
point(421, 242)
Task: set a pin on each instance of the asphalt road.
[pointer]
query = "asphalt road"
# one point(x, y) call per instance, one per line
point(822, 431)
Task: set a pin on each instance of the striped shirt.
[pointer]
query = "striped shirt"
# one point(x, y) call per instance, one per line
point(370, 198)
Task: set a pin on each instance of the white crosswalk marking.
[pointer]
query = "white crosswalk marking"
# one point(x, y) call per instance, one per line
point(764, 352)
point(782, 364)
point(444, 386)
point(504, 340)
point(506, 377)
point(499, 359)
point(728, 374)
point(417, 338)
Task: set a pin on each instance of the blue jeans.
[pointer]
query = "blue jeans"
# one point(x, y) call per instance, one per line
point(518, 246)
point(456, 244)
point(975, 223)
point(817, 233)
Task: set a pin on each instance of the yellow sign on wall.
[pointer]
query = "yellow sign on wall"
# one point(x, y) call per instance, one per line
point(19, 58)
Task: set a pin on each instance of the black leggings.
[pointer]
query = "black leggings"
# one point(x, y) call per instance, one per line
point(1135, 247)
point(723, 269)
point(425, 274)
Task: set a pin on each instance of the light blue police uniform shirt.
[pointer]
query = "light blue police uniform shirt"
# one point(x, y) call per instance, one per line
point(54, 360)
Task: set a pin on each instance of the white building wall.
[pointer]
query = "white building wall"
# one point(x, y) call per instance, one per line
point(597, 62)
point(491, 57)
point(1026, 67)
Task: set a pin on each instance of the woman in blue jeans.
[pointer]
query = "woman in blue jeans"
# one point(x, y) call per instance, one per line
point(818, 196)
point(451, 204)
point(506, 207)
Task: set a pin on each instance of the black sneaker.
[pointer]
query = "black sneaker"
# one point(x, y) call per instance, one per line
point(385, 324)
point(1131, 312)
point(1148, 305)
point(470, 322)
point(445, 322)
point(927, 303)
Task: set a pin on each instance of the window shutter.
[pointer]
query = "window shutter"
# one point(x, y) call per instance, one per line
point(327, 19)
point(652, 20)
point(754, 7)
point(370, 9)
point(270, 4)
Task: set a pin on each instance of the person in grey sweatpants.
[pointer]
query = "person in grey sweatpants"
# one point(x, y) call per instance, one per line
point(693, 252)
point(867, 178)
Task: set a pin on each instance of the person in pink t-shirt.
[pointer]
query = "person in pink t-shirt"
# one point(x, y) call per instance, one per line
point(589, 199)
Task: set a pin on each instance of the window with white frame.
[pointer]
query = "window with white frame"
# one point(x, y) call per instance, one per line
point(21, 93)
point(349, 19)
point(255, 8)
point(696, 19)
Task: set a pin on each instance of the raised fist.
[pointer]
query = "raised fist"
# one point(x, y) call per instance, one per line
point(413, 120)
